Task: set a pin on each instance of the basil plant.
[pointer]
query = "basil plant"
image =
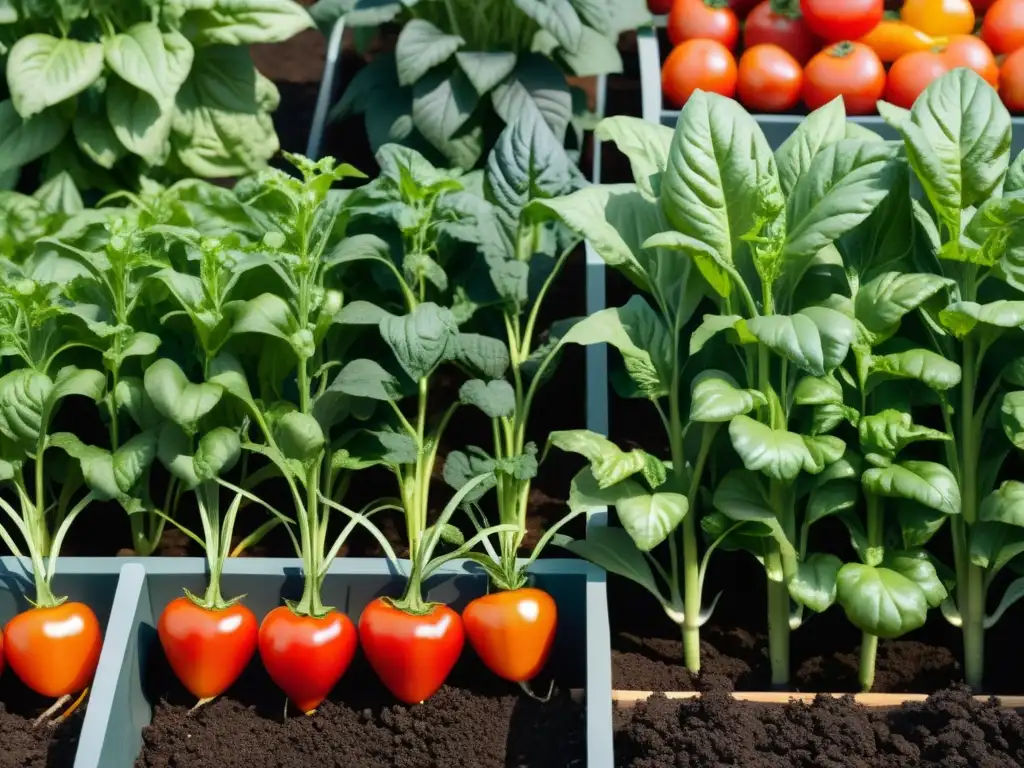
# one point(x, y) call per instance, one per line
point(716, 221)
point(957, 138)
point(107, 91)
point(462, 69)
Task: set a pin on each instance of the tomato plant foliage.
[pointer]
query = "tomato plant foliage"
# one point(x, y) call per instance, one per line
point(105, 90)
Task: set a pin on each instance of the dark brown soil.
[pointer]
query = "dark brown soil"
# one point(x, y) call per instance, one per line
point(478, 722)
point(950, 729)
point(24, 746)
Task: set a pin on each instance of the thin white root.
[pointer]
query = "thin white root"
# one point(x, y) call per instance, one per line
point(525, 685)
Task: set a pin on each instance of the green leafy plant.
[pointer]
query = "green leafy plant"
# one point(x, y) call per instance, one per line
point(462, 69)
point(713, 211)
point(957, 140)
point(107, 91)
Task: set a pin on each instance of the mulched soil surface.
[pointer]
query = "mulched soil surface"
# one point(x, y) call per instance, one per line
point(950, 729)
point(24, 746)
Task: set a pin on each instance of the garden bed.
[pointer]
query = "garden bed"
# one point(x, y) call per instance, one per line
point(476, 716)
point(29, 746)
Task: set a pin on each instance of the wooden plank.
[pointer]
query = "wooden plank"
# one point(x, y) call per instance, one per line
point(626, 699)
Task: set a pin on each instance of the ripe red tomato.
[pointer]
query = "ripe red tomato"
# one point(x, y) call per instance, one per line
point(305, 655)
point(769, 80)
point(512, 632)
point(659, 7)
point(847, 20)
point(412, 655)
point(703, 64)
point(971, 52)
point(742, 7)
point(1011, 79)
point(910, 74)
point(54, 651)
point(850, 70)
point(703, 20)
point(788, 32)
point(1003, 26)
point(208, 650)
point(1, 653)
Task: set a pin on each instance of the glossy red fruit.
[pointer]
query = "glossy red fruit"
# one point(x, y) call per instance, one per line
point(1, 653)
point(703, 20)
point(698, 64)
point(788, 31)
point(412, 655)
point(207, 649)
point(1011, 82)
point(512, 632)
point(911, 74)
point(770, 80)
point(1002, 29)
point(834, 21)
point(306, 656)
point(54, 651)
point(850, 70)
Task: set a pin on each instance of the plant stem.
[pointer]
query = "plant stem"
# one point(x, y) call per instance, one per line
point(869, 642)
point(778, 622)
point(972, 611)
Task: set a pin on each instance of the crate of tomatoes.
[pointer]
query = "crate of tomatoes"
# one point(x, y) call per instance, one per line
point(783, 58)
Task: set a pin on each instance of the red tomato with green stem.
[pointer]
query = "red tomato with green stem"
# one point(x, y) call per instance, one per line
point(770, 80)
point(911, 74)
point(698, 64)
point(1003, 26)
point(512, 632)
point(207, 643)
point(836, 20)
point(703, 20)
point(850, 70)
point(411, 650)
point(54, 649)
point(971, 52)
point(1011, 81)
point(776, 23)
point(306, 655)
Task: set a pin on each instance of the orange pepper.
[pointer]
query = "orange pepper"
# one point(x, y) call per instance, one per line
point(939, 17)
point(892, 39)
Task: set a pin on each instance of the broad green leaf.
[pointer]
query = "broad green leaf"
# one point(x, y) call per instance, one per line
point(367, 378)
point(22, 141)
point(718, 159)
point(1015, 176)
point(360, 312)
point(484, 356)
point(586, 495)
point(918, 524)
point(177, 398)
point(713, 325)
point(649, 518)
point(708, 261)
point(641, 338)
point(818, 130)
point(421, 340)
point(460, 468)
point(742, 496)
point(917, 566)
point(141, 123)
point(1012, 417)
point(925, 482)
point(536, 87)
point(647, 146)
point(299, 436)
point(958, 142)
point(485, 69)
point(43, 70)
point(831, 499)
point(23, 397)
point(96, 138)
point(130, 394)
point(717, 399)
point(247, 22)
point(814, 583)
point(83, 382)
point(226, 372)
point(881, 601)
point(557, 17)
point(174, 449)
point(110, 476)
point(962, 317)
point(882, 303)
point(613, 550)
point(1004, 505)
point(845, 183)
point(993, 544)
point(149, 60)
point(609, 464)
point(818, 390)
point(362, 247)
point(816, 339)
point(778, 453)
point(267, 314)
point(421, 46)
point(889, 432)
point(922, 364)
point(60, 195)
point(495, 398)
point(442, 102)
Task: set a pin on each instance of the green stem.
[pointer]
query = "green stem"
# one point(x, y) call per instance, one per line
point(869, 642)
point(972, 612)
point(778, 622)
